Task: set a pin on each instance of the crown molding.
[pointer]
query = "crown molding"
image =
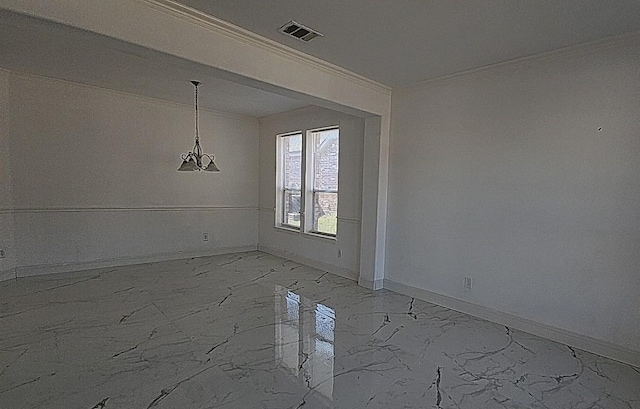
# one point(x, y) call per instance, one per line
point(143, 98)
point(572, 50)
point(240, 34)
point(293, 112)
point(309, 109)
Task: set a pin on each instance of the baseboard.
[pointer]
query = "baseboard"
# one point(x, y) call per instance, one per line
point(340, 271)
point(8, 274)
point(29, 271)
point(583, 342)
point(371, 285)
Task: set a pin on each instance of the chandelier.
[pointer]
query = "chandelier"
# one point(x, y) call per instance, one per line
point(193, 160)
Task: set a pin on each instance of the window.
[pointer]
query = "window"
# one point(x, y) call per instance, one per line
point(324, 181)
point(291, 169)
point(307, 181)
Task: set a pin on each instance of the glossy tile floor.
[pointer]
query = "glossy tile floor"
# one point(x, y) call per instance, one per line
point(256, 331)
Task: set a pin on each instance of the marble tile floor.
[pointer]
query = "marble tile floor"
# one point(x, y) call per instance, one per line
point(252, 330)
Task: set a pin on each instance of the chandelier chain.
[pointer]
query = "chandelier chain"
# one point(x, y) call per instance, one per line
point(197, 117)
point(192, 160)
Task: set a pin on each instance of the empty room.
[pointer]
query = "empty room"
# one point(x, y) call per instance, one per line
point(332, 204)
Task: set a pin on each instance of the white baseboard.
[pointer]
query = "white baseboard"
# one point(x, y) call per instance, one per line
point(583, 342)
point(340, 271)
point(28, 271)
point(8, 274)
point(371, 285)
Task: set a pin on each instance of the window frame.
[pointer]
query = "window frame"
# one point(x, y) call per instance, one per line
point(281, 189)
point(310, 192)
point(307, 195)
point(283, 208)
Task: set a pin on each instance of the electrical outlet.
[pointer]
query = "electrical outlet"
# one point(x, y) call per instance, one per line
point(468, 283)
point(2, 255)
point(205, 236)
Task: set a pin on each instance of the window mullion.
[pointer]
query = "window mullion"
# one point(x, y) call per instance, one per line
point(303, 182)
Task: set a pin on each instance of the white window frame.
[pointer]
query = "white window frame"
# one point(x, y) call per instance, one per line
point(311, 191)
point(306, 194)
point(281, 189)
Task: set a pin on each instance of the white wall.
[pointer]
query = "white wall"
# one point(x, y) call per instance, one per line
point(7, 264)
point(95, 180)
point(525, 177)
point(241, 56)
point(317, 251)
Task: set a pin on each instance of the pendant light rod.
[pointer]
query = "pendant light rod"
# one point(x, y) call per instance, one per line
point(196, 84)
point(193, 160)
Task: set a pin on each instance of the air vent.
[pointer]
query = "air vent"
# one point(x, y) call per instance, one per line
point(297, 30)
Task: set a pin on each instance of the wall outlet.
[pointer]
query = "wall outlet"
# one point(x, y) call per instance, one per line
point(2, 255)
point(468, 283)
point(205, 236)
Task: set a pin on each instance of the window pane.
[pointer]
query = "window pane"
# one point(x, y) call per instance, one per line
point(325, 212)
point(325, 180)
point(292, 161)
point(291, 208)
point(325, 149)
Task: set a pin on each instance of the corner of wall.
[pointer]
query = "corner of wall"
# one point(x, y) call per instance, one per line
point(340, 256)
point(7, 240)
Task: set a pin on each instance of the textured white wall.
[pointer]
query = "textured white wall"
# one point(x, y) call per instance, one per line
point(94, 177)
point(350, 189)
point(7, 264)
point(526, 178)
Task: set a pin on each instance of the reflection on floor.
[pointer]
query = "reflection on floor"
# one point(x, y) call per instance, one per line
point(256, 331)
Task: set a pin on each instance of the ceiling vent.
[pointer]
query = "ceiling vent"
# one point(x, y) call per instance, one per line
point(299, 31)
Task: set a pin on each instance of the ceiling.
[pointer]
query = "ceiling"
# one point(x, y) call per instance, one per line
point(53, 50)
point(393, 42)
point(403, 41)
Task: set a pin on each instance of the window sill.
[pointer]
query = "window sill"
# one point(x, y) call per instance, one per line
point(321, 236)
point(287, 229)
point(307, 234)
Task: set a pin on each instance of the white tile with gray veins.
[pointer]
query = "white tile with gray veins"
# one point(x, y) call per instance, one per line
point(252, 330)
